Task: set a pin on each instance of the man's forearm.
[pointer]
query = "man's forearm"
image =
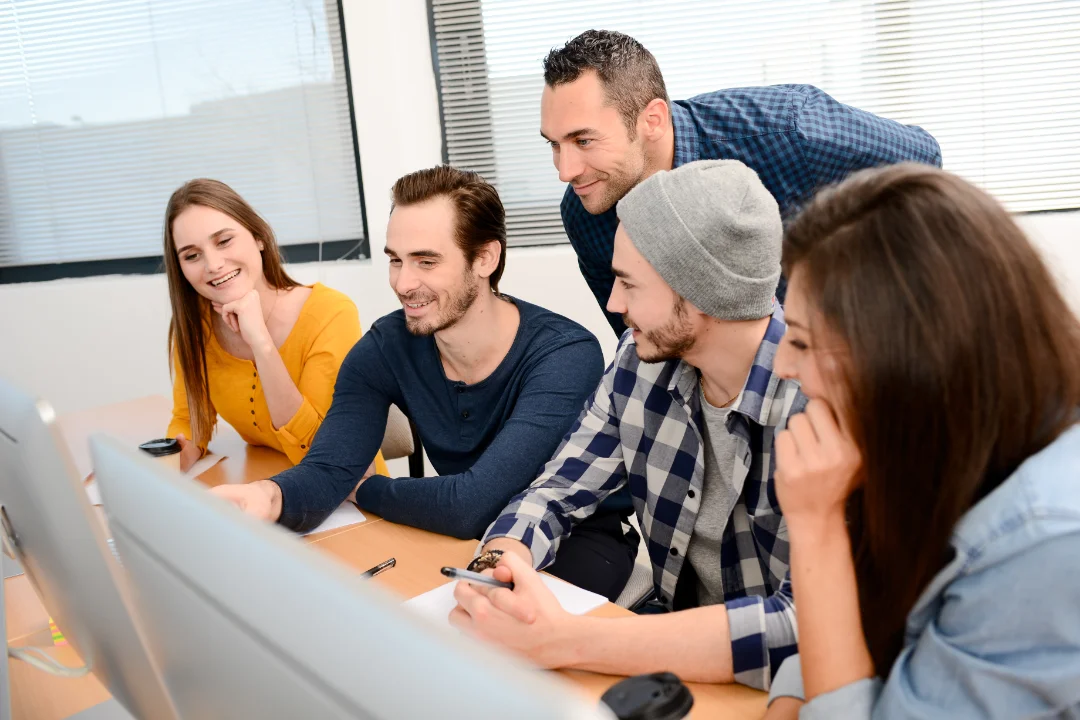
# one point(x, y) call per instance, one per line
point(693, 644)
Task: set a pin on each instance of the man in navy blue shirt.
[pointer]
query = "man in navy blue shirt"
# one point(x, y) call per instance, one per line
point(491, 383)
point(605, 111)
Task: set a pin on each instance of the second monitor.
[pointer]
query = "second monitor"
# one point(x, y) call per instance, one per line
point(246, 621)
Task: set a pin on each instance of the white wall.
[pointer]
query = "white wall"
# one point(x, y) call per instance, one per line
point(87, 342)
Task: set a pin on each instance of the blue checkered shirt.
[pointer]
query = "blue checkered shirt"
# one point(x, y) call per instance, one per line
point(795, 137)
point(642, 428)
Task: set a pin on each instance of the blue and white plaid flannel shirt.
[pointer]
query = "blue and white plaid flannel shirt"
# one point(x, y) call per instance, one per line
point(795, 137)
point(642, 428)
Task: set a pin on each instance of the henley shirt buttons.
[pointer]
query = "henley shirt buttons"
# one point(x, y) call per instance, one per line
point(690, 493)
point(674, 552)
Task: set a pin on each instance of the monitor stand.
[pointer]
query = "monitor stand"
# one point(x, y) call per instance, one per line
point(108, 710)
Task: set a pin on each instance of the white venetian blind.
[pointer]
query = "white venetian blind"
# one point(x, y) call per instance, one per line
point(996, 82)
point(107, 106)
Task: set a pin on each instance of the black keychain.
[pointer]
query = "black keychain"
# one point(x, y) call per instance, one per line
point(659, 696)
point(160, 446)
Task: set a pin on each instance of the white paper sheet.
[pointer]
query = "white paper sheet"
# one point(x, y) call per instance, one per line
point(201, 465)
point(435, 605)
point(346, 514)
point(204, 463)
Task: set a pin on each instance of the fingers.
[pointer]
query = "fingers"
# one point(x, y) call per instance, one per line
point(516, 605)
point(823, 422)
point(460, 619)
point(786, 451)
point(471, 600)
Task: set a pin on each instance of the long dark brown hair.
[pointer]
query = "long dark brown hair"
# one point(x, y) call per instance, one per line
point(190, 324)
point(963, 360)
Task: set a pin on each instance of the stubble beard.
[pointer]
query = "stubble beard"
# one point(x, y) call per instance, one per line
point(455, 307)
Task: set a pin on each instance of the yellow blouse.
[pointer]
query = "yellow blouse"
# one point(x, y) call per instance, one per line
point(327, 328)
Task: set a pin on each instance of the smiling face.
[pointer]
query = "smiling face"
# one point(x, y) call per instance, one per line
point(665, 325)
point(590, 144)
point(809, 352)
point(219, 256)
point(428, 271)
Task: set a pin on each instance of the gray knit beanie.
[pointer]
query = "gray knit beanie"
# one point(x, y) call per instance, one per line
point(713, 232)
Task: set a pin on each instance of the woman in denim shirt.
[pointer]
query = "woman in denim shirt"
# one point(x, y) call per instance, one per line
point(932, 488)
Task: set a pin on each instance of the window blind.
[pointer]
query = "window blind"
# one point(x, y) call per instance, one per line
point(996, 82)
point(107, 106)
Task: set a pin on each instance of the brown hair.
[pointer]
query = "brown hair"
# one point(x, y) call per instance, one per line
point(629, 73)
point(190, 324)
point(961, 363)
point(480, 218)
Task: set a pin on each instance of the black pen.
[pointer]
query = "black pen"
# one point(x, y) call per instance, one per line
point(379, 568)
point(469, 576)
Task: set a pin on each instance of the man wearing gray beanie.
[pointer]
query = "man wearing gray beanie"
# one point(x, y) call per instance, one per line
point(685, 416)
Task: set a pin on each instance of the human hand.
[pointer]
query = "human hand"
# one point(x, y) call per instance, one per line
point(189, 452)
point(367, 473)
point(817, 464)
point(261, 498)
point(528, 619)
point(245, 316)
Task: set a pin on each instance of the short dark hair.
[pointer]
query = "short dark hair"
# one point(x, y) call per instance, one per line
point(629, 73)
point(480, 215)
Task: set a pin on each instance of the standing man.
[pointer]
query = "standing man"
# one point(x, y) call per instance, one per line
point(605, 111)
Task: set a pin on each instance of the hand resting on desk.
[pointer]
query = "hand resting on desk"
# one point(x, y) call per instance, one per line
point(190, 453)
point(261, 498)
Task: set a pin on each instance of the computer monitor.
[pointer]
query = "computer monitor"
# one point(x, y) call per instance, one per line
point(60, 542)
point(246, 621)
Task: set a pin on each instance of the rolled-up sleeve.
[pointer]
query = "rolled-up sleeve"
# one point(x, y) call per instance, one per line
point(763, 635)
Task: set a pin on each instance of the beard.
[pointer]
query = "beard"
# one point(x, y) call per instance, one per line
point(453, 308)
point(618, 183)
point(670, 341)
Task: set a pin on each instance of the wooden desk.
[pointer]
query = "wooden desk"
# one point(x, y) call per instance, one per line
point(419, 555)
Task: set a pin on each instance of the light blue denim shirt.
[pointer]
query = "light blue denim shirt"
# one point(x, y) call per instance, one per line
point(996, 634)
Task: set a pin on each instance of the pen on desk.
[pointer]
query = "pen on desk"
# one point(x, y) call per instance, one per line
point(472, 577)
point(386, 565)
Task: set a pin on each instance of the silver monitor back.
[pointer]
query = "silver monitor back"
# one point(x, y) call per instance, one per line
point(247, 621)
point(62, 547)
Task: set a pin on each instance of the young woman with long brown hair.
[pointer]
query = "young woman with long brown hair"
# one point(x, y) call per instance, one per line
point(932, 489)
point(248, 343)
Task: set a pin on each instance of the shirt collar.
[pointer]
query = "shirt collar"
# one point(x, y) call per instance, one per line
point(762, 386)
point(687, 143)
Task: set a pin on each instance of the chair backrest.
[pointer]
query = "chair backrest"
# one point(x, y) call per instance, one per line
point(398, 440)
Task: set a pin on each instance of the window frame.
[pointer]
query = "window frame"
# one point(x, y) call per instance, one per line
point(346, 249)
